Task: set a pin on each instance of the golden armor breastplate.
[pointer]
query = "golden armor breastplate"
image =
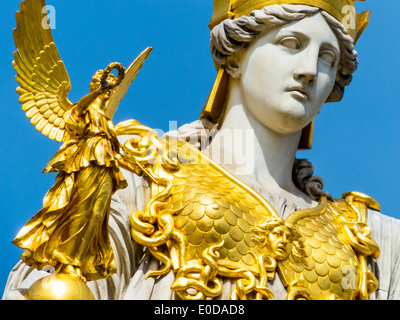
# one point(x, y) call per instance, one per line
point(206, 226)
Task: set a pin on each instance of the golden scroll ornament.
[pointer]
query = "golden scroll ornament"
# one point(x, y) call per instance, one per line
point(207, 226)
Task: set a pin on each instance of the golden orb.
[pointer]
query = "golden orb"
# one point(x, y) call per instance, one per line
point(59, 287)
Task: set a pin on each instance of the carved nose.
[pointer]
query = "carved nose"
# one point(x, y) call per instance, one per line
point(307, 70)
point(284, 239)
point(306, 77)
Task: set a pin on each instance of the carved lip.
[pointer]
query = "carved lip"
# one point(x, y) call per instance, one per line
point(282, 247)
point(304, 93)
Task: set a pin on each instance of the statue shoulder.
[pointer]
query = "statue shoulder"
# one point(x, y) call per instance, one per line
point(357, 197)
point(354, 206)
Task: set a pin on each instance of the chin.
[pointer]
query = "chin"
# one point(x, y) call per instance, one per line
point(293, 117)
point(294, 109)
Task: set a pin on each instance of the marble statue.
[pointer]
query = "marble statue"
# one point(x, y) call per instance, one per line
point(201, 219)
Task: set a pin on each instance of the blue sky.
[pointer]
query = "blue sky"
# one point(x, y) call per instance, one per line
point(356, 142)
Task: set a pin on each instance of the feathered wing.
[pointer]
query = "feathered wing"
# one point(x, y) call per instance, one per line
point(130, 75)
point(41, 74)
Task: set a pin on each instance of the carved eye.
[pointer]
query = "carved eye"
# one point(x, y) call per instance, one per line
point(290, 43)
point(328, 56)
point(277, 233)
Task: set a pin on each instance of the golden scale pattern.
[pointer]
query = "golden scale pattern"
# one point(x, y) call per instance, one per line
point(210, 205)
point(328, 258)
point(211, 208)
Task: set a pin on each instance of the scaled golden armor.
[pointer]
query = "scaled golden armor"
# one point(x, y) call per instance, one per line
point(205, 224)
point(202, 223)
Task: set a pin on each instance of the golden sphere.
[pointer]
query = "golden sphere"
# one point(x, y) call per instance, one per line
point(59, 287)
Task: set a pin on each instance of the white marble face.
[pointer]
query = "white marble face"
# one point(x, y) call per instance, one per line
point(288, 73)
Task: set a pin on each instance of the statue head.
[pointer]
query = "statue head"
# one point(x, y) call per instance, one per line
point(95, 85)
point(97, 77)
point(107, 82)
point(279, 238)
point(237, 26)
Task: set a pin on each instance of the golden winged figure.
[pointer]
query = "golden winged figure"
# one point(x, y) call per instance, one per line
point(70, 232)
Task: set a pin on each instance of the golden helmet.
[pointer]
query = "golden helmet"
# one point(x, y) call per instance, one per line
point(343, 10)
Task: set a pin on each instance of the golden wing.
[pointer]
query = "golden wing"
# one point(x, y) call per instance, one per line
point(41, 74)
point(130, 75)
point(330, 268)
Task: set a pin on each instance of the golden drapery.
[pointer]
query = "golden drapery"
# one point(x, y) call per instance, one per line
point(72, 226)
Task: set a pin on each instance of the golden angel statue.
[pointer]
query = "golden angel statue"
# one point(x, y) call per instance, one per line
point(198, 219)
point(70, 233)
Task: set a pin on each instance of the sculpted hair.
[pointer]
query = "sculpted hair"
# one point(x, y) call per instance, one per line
point(232, 36)
point(96, 80)
point(303, 178)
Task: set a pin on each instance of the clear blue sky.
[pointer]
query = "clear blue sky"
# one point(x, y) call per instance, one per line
point(356, 142)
